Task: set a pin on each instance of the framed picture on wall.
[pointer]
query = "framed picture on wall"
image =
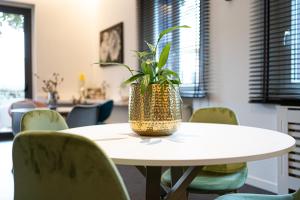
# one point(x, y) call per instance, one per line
point(111, 44)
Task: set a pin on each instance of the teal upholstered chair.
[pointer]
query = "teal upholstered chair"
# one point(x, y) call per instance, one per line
point(294, 196)
point(216, 179)
point(83, 115)
point(43, 120)
point(105, 110)
point(50, 165)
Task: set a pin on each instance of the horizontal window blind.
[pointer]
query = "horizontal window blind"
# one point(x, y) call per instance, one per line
point(274, 52)
point(189, 52)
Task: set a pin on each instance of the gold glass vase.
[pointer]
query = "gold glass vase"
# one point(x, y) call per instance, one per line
point(157, 112)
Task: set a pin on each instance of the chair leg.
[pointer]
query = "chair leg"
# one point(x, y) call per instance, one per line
point(187, 195)
point(224, 193)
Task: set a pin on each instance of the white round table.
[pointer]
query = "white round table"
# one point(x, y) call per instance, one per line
point(194, 144)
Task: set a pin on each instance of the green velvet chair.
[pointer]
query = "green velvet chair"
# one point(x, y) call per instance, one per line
point(293, 196)
point(50, 165)
point(43, 120)
point(215, 179)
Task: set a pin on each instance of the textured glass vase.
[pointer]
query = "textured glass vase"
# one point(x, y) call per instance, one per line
point(52, 100)
point(157, 112)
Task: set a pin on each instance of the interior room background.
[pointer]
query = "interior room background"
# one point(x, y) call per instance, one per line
point(66, 40)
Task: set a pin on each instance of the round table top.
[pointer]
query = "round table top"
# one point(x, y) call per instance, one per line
point(194, 144)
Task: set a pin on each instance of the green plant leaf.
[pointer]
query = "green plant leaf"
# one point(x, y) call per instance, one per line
point(144, 83)
point(143, 54)
point(162, 80)
point(163, 58)
point(170, 30)
point(170, 83)
point(152, 70)
point(176, 82)
point(119, 64)
point(150, 46)
point(133, 78)
point(169, 72)
point(147, 69)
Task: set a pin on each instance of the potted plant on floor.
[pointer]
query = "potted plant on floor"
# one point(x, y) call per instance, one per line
point(154, 104)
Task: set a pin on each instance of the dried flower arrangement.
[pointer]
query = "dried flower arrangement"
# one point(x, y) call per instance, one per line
point(50, 85)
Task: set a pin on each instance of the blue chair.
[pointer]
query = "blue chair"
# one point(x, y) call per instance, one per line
point(83, 115)
point(105, 110)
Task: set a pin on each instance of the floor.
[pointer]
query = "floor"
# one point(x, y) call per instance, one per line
point(134, 181)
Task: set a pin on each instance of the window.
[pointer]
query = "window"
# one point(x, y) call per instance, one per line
point(189, 51)
point(274, 52)
point(15, 53)
point(294, 34)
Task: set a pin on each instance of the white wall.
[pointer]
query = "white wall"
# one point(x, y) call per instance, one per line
point(230, 26)
point(111, 13)
point(65, 37)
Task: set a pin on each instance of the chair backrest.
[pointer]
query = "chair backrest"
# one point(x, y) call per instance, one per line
point(27, 103)
point(296, 195)
point(218, 115)
point(43, 120)
point(17, 116)
point(83, 115)
point(105, 110)
point(16, 120)
point(51, 165)
point(23, 104)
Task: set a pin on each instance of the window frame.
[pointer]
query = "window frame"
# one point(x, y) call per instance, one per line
point(272, 78)
point(27, 13)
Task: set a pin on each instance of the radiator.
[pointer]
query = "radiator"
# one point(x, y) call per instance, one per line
point(289, 165)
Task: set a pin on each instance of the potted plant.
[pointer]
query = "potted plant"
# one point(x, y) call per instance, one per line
point(154, 102)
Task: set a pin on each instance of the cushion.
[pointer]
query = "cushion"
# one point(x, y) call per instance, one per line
point(226, 168)
point(210, 181)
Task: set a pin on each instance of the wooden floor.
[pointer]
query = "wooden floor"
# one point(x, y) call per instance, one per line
point(134, 181)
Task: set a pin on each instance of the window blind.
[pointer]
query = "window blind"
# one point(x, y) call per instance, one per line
point(189, 52)
point(274, 52)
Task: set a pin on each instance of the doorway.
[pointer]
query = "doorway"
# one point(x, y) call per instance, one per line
point(15, 58)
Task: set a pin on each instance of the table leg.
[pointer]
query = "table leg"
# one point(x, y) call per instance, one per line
point(163, 189)
point(180, 181)
point(176, 173)
point(153, 183)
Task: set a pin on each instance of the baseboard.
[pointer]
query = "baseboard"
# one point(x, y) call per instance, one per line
point(262, 184)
